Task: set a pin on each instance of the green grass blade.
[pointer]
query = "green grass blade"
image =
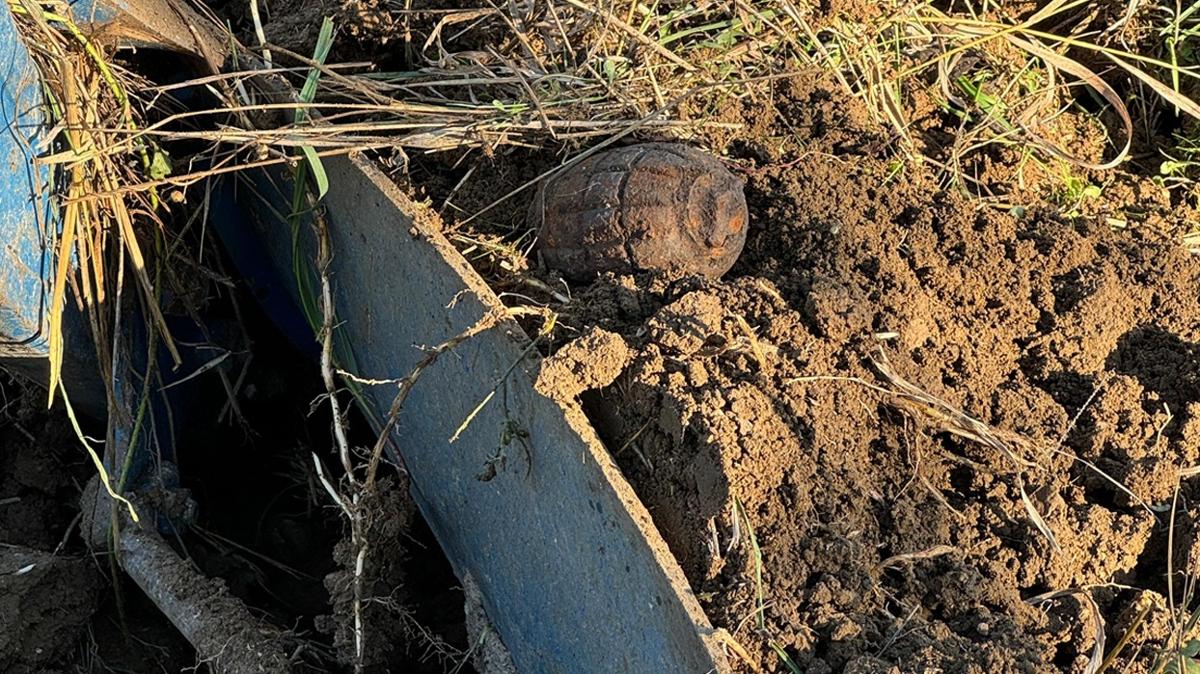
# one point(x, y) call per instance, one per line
point(324, 43)
point(318, 170)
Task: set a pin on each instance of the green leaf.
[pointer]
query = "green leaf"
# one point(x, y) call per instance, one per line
point(324, 43)
point(614, 67)
point(785, 658)
point(1190, 666)
point(307, 95)
point(160, 164)
point(1172, 167)
point(318, 170)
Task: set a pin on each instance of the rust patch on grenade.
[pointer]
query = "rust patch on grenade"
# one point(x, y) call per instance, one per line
point(656, 206)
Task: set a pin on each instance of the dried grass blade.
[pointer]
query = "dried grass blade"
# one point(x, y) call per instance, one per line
point(100, 469)
point(635, 34)
point(66, 242)
point(737, 649)
point(1052, 8)
point(1036, 518)
point(949, 418)
point(130, 243)
point(1073, 67)
point(1170, 95)
point(65, 246)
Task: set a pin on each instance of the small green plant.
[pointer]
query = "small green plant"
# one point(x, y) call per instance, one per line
point(1073, 192)
point(1183, 662)
point(760, 607)
point(895, 168)
point(510, 110)
point(1180, 32)
point(993, 107)
point(309, 163)
point(1184, 160)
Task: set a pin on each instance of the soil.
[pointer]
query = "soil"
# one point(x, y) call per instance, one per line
point(46, 599)
point(757, 425)
point(45, 603)
point(363, 26)
point(393, 512)
point(589, 362)
point(36, 487)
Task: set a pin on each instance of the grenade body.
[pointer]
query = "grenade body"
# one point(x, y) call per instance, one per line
point(656, 206)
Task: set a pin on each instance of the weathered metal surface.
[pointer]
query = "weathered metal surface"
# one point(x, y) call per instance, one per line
point(25, 215)
point(654, 206)
point(161, 24)
point(573, 573)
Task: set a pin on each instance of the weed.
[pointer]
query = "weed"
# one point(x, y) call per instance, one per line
point(1073, 191)
point(760, 608)
point(308, 165)
point(1007, 80)
point(1182, 162)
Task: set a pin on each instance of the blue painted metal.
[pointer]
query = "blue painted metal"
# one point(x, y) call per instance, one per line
point(28, 220)
point(271, 285)
point(572, 572)
point(26, 217)
point(95, 12)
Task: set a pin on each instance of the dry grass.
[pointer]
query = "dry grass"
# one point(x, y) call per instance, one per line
point(1009, 78)
point(574, 76)
point(563, 72)
point(90, 107)
point(570, 75)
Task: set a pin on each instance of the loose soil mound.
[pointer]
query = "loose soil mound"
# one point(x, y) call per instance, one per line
point(887, 543)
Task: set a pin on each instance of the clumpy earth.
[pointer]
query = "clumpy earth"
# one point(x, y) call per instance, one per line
point(591, 361)
point(47, 597)
point(763, 420)
point(45, 604)
point(389, 513)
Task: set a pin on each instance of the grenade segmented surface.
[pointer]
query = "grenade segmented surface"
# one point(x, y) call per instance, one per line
point(655, 206)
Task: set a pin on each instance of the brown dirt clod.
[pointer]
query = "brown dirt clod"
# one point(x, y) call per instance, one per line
point(591, 361)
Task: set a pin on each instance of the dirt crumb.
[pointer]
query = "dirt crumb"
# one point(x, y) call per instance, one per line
point(388, 512)
point(588, 362)
point(685, 325)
